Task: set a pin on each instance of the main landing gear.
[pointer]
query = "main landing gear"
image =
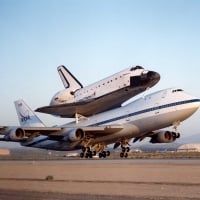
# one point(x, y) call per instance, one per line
point(104, 154)
point(87, 152)
point(124, 143)
point(124, 152)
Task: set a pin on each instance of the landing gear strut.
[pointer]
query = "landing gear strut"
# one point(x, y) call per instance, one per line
point(175, 126)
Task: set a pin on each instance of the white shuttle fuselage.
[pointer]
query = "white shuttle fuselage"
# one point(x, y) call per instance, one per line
point(108, 85)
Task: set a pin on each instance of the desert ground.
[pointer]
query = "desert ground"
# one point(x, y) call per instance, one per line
point(100, 179)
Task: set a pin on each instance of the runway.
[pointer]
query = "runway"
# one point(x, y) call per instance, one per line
point(100, 179)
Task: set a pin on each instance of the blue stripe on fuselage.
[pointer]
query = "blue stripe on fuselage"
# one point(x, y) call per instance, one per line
point(146, 111)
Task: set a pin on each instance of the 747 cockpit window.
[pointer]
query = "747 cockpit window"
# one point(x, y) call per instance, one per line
point(177, 90)
point(136, 67)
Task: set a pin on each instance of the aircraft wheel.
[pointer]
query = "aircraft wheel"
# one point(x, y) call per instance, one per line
point(86, 155)
point(108, 153)
point(90, 154)
point(123, 149)
point(127, 149)
point(104, 154)
point(126, 155)
point(81, 154)
point(94, 153)
point(83, 149)
point(100, 155)
point(121, 154)
point(88, 149)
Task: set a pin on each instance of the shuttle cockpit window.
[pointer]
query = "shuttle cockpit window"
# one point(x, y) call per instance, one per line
point(136, 67)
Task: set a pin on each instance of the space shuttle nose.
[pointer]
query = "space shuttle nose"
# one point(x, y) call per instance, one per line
point(153, 75)
point(147, 79)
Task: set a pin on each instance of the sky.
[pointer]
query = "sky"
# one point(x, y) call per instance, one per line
point(95, 39)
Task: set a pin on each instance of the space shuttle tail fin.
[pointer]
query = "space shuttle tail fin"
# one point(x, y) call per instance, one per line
point(26, 116)
point(69, 81)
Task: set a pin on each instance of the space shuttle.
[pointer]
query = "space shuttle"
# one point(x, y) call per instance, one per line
point(104, 95)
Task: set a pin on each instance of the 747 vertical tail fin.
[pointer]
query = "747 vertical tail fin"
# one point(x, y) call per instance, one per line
point(26, 116)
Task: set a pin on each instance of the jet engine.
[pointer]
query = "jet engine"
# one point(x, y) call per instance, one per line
point(74, 135)
point(164, 137)
point(16, 134)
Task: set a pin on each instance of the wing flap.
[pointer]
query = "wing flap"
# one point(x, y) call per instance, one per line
point(42, 130)
point(98, 131)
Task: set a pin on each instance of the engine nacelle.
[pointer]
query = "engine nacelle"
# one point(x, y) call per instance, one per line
point(15, 134)
point(74, 135)
point(164, 137)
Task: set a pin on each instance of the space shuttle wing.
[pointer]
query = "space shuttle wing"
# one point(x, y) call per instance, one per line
point(92, 106)
point(68, 110)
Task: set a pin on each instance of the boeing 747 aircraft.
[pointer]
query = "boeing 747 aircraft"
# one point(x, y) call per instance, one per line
point(101, 96)
point(144, 117)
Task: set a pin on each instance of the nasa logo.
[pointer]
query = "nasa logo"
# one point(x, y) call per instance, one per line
point(24, 119)
point(24, 115)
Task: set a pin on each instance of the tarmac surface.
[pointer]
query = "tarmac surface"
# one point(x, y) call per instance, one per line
point(100, 179)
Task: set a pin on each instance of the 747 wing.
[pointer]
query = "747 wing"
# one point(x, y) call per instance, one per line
point(57, 133)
